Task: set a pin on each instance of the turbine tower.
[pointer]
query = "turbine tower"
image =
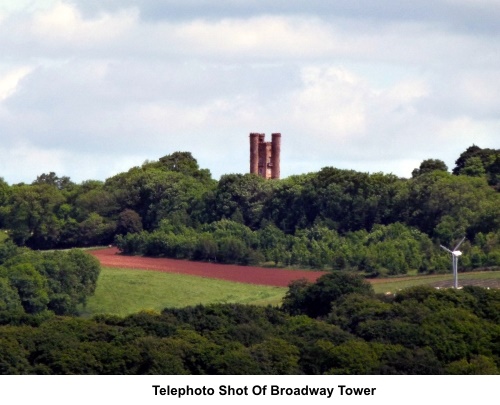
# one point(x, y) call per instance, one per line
point(455, 254)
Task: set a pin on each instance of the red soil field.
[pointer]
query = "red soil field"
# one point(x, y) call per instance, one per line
point(244, 274)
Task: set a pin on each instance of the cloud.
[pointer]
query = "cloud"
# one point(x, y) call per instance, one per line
point(372, 86)
point(65, 24)
point(61, 31)
point(10, 80)
point(347, 118)
point(29, 161)
point(331, 101)
point(457, 15)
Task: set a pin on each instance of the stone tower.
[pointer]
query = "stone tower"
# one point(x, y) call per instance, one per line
point(265, 156)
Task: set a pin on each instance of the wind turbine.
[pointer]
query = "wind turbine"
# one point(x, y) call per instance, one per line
point(455, 254)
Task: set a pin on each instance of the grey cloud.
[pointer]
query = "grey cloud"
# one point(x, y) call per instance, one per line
point(470, 16)
point(386, 88)
point(133, 107)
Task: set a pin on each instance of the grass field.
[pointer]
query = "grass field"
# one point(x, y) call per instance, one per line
point(382, 286)
point(124, 291)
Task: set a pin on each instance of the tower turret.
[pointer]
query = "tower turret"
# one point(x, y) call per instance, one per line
point(254, 153)
point(275, 155)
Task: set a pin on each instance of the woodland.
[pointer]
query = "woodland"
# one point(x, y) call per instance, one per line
point(335, 326)
point(354, 225)
point(377, 224)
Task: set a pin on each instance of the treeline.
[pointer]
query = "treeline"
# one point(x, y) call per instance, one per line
point(386, 250)
point(376, 223)
point(335, 326)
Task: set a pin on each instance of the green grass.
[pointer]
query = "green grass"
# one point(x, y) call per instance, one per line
point(124, 291)
point(399, 284)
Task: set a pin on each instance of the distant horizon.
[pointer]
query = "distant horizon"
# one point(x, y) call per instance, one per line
point(450, 168)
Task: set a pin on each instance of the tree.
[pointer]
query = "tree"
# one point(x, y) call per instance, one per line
point(241, 198)
point(59, 281)
point(206, 248)
point(354, 309)
point(401, 360)
point(354, 357)
point(316, 300)
point(285, 206)
point(52, 179)
point(129, 221)
point(13, 357)
point(473, 167)
point(9, 297)
point(430, 165)
point(232, 250)
point(429, 198)
point(276, 356)
point(184, 162)
point(477, 365)
point(32, 217)
point(4, 198)
point(96, 230)
point(237, 360)
point(159, 356)
point(31, 286)
point(294, 299)
point(8, 249)
point(471, 151)
point(456, 333)
point(72, 277)
point(94, 199)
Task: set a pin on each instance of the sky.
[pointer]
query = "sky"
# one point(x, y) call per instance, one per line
point(91, 88)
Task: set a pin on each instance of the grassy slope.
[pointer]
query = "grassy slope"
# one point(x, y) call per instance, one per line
point(125, 291)
point(392, 285)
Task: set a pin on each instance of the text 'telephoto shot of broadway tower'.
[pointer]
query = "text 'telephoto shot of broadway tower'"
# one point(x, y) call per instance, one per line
point(265, 156)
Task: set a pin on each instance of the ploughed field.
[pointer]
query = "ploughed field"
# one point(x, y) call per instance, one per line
point(110, 257)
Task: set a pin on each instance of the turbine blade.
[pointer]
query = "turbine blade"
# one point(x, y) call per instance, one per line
point(445, 248)
point(459, 243)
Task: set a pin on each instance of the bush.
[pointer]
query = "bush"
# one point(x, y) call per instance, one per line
point(316, 300)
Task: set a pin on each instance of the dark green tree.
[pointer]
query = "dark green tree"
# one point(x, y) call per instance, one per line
point(31, 286)
point(316, 300)
point(430, 165)
point(51, 179)
point(129, 221)
point(32, 215)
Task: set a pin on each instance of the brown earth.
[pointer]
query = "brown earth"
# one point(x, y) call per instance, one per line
point(110, 257)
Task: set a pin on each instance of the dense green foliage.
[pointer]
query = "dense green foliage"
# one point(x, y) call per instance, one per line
point(378, 224)
point(419, 331)
point(35, 282)
point(342, 220)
